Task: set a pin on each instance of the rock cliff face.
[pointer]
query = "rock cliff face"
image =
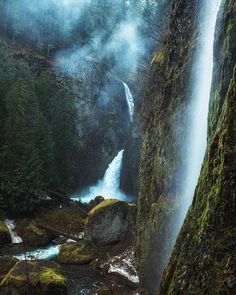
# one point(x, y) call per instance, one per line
point(131, 161)
point(203, 260)
point(165, 125)
point(166, 120)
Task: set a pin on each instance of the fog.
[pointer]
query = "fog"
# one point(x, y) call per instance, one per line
point(89, 33)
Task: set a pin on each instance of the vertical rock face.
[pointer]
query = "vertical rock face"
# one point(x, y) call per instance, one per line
point(165, 125)
point(203, 260)
point(131, 161)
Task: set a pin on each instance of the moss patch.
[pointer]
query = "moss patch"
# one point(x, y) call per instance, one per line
point(50, 276)
point(42, 277)
point(101, 206)
point(77, 253)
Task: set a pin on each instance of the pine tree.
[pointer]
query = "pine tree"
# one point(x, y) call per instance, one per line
point(24, 177)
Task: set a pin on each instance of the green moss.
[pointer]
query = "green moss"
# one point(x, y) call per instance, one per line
point(50, 276)
point(5, 237)
point(76, 254)
point(43, 277)
point(204, 255)
point(103, 205)
point(3, 228)
point(192, 269)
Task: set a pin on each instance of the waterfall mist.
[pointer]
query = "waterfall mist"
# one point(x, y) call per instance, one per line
point(196, 140)
point(117, 41)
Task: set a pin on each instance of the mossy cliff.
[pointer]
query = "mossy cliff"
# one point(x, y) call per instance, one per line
point(165, 124)
point(203, 260)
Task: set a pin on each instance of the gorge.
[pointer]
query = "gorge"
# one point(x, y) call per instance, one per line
point(117, 147)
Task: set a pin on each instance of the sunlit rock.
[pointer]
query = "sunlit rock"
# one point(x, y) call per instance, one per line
point(110, 222)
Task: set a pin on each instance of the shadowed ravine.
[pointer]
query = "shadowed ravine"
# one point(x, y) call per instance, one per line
point(117, 147)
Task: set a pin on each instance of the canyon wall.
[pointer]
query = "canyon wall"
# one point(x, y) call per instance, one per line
point(203, 260)
point(165, 125)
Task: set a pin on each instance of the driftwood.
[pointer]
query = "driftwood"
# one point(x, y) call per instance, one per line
point(60, 233)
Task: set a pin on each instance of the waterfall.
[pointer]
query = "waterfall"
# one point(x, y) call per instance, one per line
point(14, 236)
point(111, 180)
point(129, 99)
point(202, 80)
point(109, 186)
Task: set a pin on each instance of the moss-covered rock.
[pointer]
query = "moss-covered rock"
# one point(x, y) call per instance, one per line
point(5, 237)
point(6, 264)
point(61, 217)
point(77, 253)
point(96, 201)
point(109, 222)
point(39, 277)
point(34, 236)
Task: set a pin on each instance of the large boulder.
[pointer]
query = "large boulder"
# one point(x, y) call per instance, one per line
point(5, 237)
point(39, 277)
point(109, 222)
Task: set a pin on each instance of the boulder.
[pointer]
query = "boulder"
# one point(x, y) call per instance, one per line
point(76, 253)
point(96, 201)
point(109, 222)
point(5, 237)
point(41, 278)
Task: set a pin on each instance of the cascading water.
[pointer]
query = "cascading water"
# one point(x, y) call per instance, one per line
point(109, 186)
point(46, 253)
point(14, 236)
point(129, 99)
point(197, 139)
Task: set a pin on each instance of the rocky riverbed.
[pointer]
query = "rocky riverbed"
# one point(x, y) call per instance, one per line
point(100, 260)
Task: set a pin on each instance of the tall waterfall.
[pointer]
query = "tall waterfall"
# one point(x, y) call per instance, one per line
point(109, 186)
point(14, 236)
point(129, 99)
point(202, 79)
